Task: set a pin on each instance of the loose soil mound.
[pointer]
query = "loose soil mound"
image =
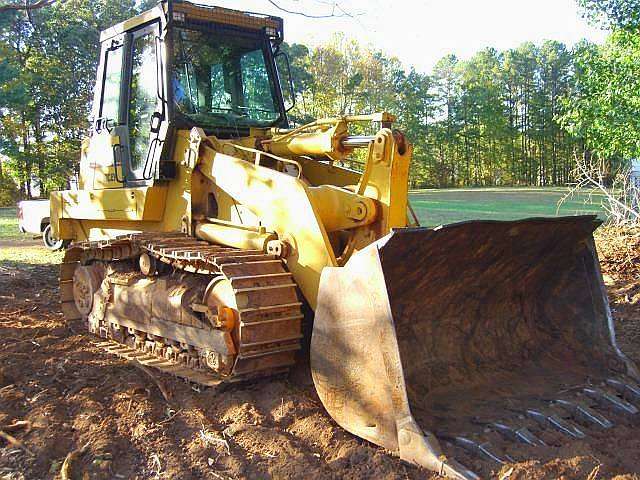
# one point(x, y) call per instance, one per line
point(108, 419)
point(619, 250)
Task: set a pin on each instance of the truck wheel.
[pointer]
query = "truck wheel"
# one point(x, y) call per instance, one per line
point(49, 241)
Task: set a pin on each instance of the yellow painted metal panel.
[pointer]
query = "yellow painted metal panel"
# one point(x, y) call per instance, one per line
point(132, 204)
point(324, 173)
point(97, 167)
point(151, 203)
point(283, 205)
point(131, 23)
point(386, 178)
point(340, 209)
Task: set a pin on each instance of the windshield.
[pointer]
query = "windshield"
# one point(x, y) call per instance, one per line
point(223, 80)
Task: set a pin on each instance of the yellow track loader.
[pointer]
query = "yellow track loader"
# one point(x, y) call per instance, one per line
point(207, 232)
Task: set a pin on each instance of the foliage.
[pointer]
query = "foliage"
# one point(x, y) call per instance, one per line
point(340, 77)
point(8, 191)
point(514, 117)
point(618, 13)
point(489, 120)
point(604, 107)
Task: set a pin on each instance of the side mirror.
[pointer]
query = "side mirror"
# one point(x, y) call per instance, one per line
point(284, 73)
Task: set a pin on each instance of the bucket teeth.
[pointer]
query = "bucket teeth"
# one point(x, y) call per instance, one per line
point(560, 424)
point(628, 390)
point(483, 450)
point(610, 400)
point(584, 413)
point(522, 434)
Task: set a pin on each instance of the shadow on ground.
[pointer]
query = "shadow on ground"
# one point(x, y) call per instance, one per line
point(78, 399)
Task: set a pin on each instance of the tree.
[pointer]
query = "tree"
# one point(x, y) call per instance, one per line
point(8, 191)
point(26, 6)
point(603, 109)
point(416, 110)
point(492, 119)
point(48, 60)
point(617, 13)
point(302, 81)
point(447, 95)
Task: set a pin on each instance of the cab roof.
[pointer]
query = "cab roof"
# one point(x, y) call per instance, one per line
point(183, 12)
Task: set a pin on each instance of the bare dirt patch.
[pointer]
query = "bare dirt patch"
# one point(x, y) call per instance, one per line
point(109, 420)
point(20, 242)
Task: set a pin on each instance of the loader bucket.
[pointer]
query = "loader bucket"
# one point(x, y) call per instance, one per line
point(426, 330)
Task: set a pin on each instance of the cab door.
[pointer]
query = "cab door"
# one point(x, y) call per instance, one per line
point(99, 165)
point(144, 129)
point(130, 111)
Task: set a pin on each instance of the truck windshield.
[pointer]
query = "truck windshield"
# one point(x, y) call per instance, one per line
point(221, 80)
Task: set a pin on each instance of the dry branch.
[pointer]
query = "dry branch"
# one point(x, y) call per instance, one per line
point(209, 438)
point(17, 425)
point(67, 466)
point(28, 6)
point(15, 442)
point(168, 419)
point(594, 473)
point(343, 13)
point(620, 201)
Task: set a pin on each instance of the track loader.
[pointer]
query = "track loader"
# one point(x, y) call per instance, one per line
point(208, 234)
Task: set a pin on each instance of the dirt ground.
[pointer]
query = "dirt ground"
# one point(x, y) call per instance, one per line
point(109, 420)
point(23, 242)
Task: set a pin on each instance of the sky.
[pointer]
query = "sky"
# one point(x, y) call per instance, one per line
point(419, 33)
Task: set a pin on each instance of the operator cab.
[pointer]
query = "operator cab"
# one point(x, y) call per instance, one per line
point(177, 66)
point(223, 80)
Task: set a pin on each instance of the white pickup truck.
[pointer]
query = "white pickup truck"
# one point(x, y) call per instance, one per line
point(33, 217)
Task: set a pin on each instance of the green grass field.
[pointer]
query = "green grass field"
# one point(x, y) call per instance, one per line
point(19, 249)
point(9, 225)
point(440, 206)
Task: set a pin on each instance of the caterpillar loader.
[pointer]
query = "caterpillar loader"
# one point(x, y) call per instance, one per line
point(208, 234)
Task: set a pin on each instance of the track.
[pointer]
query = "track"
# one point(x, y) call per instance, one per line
point(251, 328)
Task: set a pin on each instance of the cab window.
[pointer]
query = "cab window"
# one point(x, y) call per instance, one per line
point(143, 96)
point(110, 102)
